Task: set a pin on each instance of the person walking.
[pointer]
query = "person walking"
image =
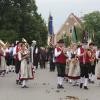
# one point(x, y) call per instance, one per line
point(60, 62)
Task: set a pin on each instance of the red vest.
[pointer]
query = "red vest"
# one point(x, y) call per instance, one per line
point(81, 57)
point(84, 59)
point(17, 49)
point(0, 58)
point(7, 55)
point(87, 58)
point(61, 58)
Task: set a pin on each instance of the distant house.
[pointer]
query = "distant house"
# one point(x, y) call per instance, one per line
point(66, 28)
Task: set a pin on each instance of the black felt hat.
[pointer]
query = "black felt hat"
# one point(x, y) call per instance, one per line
point(61, 41)
point(91, 44)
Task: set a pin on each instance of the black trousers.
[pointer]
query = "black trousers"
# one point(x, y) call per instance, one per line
point(17, 66)
point(8, 61)
point(42, 64)
point(92, 68)
point(35, 62)
point(52, 66)
point(84, 70)
point(61, 69)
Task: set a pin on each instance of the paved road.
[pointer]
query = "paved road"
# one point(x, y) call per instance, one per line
point(44, 88)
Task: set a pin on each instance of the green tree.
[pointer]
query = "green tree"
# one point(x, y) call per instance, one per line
point(97, 39)
point(21, 17)
point(5, 35)
point(92, 21)
point(67, 40)
point(79, 32)
point(92, 25)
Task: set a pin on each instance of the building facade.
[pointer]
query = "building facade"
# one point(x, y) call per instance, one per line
point(66, 28)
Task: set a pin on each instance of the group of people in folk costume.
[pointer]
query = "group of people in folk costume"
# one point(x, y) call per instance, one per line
point(6, 58)
point(16, 58)
point(27, 59)
point(77, 64)
point(24, 59)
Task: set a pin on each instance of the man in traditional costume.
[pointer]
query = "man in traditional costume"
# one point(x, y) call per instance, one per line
point(98, 54)
point(16, 54)
point(51, 57)
point(32, 49)
point(42, 58)
point(36, 56)
point(98, 65)
point(60, 62)
point(92, 64)
point(11, 58)
point(34, 52)
point(84, 60)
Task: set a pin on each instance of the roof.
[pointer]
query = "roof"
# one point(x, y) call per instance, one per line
point(75, 17)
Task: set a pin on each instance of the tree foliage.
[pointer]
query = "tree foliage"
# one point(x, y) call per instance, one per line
point(79, 32)
point(92, 21)
point(20, 17)
point(92, 25)
point(97, 39)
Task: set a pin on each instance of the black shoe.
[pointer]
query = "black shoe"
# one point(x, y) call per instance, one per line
point(24, 86)
point(20, 83)
point(81, 85)
point(74, 84)
point(92, 82)
point(17, 81)
point(66, 80)
point(58, 86)
point(85, 87)
point(9, 70)
point(61, 87)
point(89, 80)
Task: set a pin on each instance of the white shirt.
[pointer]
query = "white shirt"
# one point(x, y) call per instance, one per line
point(78, 51)
point(36, 50)
point(14, 50)
point(69, 55)
point(57, 53)
point(97, 54)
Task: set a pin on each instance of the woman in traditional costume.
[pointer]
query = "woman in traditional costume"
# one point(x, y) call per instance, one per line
point(74, 69)
point(2, 60)
point(68, 54)
point(98, 65)
point(7, 57)
point(26, 72)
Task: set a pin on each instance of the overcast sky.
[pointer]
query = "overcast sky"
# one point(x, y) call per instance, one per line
point(60, 9)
